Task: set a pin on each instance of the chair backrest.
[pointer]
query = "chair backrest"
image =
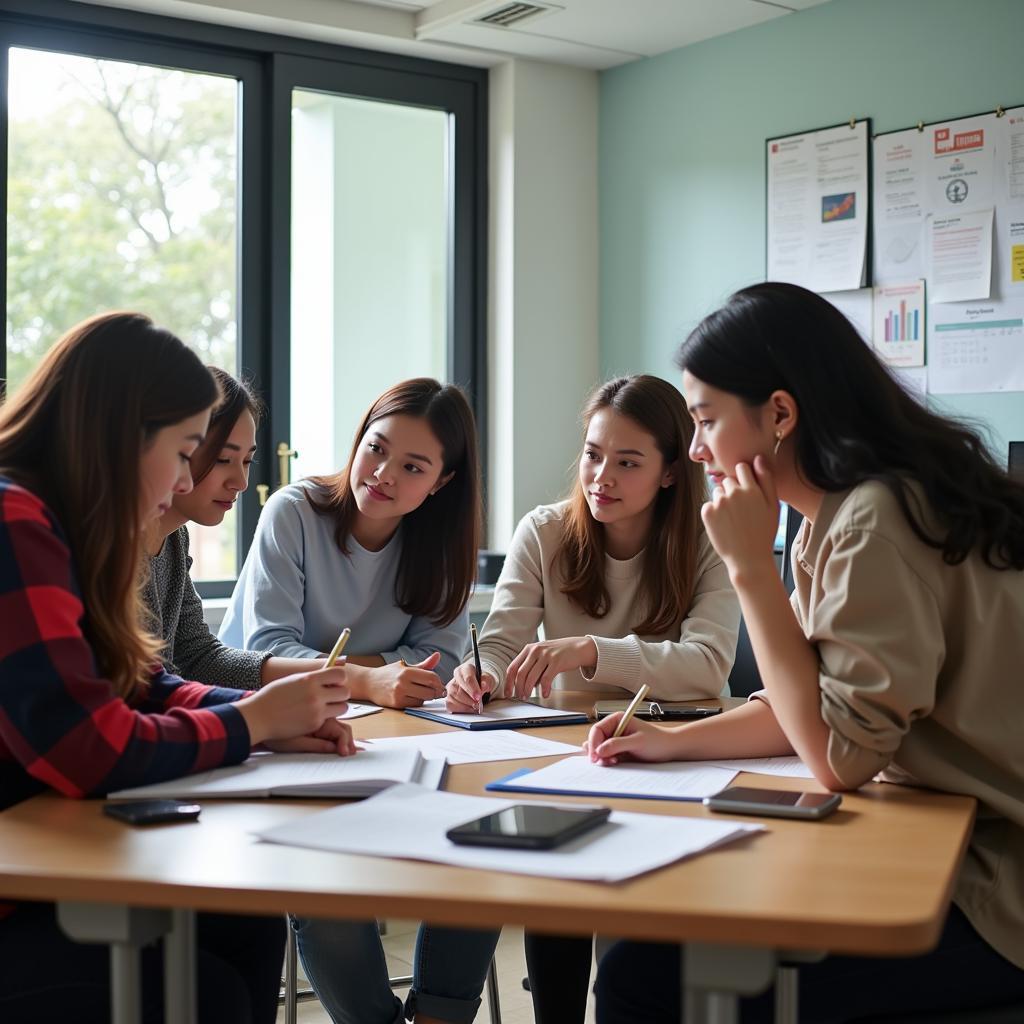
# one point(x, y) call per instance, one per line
point(1015, 461)
point(745, 678)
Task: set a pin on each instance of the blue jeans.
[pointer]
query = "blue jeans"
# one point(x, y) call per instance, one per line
point(344, 961)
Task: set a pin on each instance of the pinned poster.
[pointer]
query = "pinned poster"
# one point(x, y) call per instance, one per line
point(818, 201)
point(1010, 203)
point(976, 347)
point(961, 164)
point(960, 256)
point(899, 323)
point(900, 205)
point(856, 307)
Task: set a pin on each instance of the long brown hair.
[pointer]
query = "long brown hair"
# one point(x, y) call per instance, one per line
point(670, 558)
point(236, 396)
point(74, 434)
point(440, 538)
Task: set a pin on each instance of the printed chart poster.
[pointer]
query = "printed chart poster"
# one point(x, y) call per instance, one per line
point(899, 326)
point(960, 256)
point(818, 208)
point(899, 205)
point(976, 347)
point(961, 159)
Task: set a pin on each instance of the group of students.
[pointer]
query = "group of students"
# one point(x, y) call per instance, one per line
point(895, 656)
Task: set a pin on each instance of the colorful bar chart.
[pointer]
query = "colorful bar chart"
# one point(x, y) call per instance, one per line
point(903, 325)
point(899, 325)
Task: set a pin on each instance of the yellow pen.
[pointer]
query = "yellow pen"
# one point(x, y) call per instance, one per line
point(338, 647)
point(629, 712)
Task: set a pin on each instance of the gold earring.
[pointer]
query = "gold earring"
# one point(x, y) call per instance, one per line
point(778, 442)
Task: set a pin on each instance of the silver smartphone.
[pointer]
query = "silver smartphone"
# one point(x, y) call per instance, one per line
point(773, 803)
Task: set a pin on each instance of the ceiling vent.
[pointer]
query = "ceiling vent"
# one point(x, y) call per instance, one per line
point(512, 14)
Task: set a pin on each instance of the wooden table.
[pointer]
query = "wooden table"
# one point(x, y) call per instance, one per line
point(874, 878)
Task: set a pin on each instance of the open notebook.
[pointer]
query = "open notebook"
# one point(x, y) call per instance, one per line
point(326, 775)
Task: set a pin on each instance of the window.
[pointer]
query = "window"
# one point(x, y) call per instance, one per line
point(309, 216)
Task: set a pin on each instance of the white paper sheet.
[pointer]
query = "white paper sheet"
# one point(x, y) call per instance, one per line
point(899, 323)
point(960, 161)
point(676, 780)
point(857, 306)
point(473, 747)
point(818, 208)
point(627, 845)
point(497, 711)
point(976, 347)
point(900, 205)
point(327, 775)
point(359, 711)
point(960, 256)
point(785, 767)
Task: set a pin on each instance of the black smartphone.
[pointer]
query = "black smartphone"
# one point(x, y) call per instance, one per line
point(152, 812)
point(529, 826)
point(774, 803)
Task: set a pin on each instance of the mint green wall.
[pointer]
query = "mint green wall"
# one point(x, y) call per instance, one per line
point(682, 190)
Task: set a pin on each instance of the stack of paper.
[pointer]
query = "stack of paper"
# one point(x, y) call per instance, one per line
point(474, 747)
point(572, 776)
point(627, 845)
point(325, 775)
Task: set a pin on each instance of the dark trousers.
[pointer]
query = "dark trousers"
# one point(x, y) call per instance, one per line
point(639, 983)
point(45, 976)
point(559, 970)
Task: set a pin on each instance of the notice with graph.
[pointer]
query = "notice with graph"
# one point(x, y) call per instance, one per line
point(898, 330)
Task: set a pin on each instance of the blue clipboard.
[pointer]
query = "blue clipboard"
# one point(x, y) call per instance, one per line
point(507, 784)
point(512, 723)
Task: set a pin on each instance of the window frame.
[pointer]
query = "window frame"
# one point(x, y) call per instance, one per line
point(267, 67)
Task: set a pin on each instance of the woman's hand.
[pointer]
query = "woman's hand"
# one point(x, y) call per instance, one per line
point(297, 705)
point(402, 686)
point(465, 694)
point(333, 737)
point(640, 741)
point(742, 517)
point(537, 664)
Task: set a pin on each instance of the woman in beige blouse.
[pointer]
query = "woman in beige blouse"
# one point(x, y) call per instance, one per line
point(627, 589)
point(899, 653)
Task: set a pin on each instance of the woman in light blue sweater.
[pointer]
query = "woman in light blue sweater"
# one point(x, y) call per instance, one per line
point(388, 548)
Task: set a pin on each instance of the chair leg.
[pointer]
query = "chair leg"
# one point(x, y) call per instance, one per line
point(492, 993)
point(291, 977)
point(787, 994)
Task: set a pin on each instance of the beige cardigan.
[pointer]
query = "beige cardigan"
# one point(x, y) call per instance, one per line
point(691, 661)
point(921, 665)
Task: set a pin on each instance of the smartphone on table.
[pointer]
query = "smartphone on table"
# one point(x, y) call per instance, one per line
point(152, 812)
point(774, 803)
point(529, 826)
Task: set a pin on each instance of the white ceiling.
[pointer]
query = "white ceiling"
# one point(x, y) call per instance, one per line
point(596, 34)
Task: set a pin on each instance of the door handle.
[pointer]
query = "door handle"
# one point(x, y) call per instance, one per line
point(284, 457)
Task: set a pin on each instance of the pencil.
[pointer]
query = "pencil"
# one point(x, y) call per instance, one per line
point(338, 647)
point(476, 660)
point(629, 712)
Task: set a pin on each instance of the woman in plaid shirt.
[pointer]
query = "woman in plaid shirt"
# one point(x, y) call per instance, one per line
point(93, 446)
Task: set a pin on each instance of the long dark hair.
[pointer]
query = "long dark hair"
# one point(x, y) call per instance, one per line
point(440, 538)
point(857, 423)
point(670, 561)
point(74, 434)
point(236, 396)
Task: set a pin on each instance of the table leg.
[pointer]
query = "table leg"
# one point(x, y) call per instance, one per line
point(126, 930)
point(714, 977)
point(180, 969)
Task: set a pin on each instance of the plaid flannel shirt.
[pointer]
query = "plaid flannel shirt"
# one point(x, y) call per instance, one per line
point(62, 724)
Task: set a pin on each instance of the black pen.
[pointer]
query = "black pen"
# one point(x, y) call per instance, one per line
point(476, 661)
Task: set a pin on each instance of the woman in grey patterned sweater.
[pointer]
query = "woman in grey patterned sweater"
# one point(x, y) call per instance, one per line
point(220, 472)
